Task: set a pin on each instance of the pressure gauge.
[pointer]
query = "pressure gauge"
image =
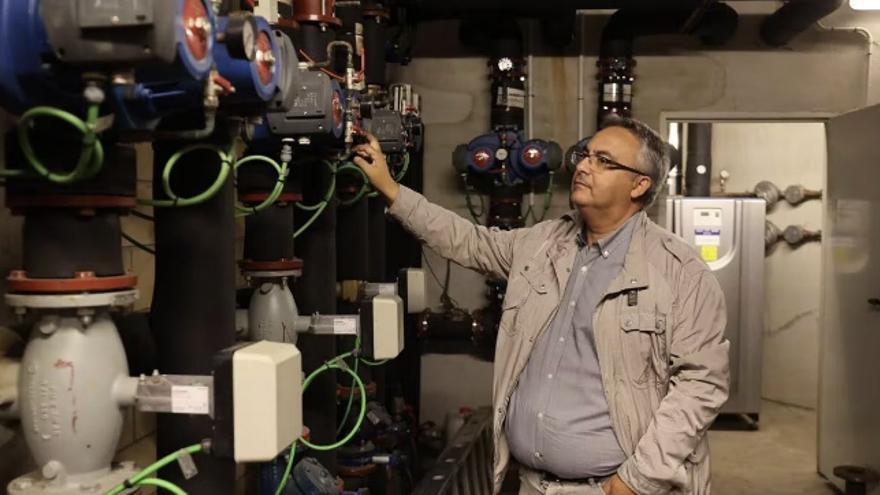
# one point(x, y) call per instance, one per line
point(241, 35)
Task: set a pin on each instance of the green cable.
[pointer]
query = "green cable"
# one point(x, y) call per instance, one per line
point(329, 366)
point(91, 156)
point(287, 469)
point(311, 220)
point(365, 185)
point(152, 468)
point(403, 168)
point(355, 380)
point(167, 485)
point(320, 206)
point(350, 398)
point(373, 363)
point(175, 200)
point(276, 191)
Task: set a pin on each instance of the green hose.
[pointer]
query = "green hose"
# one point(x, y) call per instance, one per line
point(167, 485)
point(91, 155)
point(175, 200)
point(276, 191)
point(365, 185)
point(329, 366)
point(287, 470)
point(403, 168)
point(321, 205)
point(373, 363)
point(152, 468)
point(350, 398)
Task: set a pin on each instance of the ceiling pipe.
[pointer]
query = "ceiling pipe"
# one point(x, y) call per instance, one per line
point(714, 23)
point(793, 18)
point(455, 9)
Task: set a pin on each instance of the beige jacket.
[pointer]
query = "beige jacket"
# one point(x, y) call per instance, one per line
point(664, 359)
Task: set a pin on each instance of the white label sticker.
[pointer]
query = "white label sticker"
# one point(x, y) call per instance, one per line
point(345, 326)
point(707, 237)
point(511, 97)
point(190, 399)
point(387, 289)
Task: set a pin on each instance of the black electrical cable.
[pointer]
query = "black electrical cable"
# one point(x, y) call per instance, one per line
point(138, 244)
point(142, 215)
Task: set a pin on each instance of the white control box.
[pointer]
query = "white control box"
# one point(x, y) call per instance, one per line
point(384, 340)
point(413, 279)
point(267, 400)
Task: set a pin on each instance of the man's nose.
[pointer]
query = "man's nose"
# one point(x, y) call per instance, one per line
point(584, 166)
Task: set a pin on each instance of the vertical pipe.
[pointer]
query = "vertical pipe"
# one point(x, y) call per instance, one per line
point(698, 163)
point(315, 292)
point(193, 311)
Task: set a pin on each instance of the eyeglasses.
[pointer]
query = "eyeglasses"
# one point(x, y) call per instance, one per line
point(603, 162)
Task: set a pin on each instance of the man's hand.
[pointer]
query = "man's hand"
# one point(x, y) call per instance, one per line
point(615, 486)
point(370, 159)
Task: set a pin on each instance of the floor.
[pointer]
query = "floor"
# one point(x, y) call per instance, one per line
point(778, 459)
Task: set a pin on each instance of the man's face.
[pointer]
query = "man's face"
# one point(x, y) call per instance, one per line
point(596, 186)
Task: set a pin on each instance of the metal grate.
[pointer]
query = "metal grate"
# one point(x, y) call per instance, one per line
point(465, 467)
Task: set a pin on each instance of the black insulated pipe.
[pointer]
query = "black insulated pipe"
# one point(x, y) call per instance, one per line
point(193, 312)
point(793, 18)
point(698, 165)
point(375, 38)
point(315, 292)
point(714, 24)
point(268, 234)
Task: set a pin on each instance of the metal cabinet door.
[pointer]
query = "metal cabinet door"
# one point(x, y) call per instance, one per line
point(849, 389)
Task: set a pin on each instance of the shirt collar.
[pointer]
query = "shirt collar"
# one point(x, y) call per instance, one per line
point(619, 239)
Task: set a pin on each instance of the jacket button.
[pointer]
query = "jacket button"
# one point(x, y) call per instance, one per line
point(526, 268)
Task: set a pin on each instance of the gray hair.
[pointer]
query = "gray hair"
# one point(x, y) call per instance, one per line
point(653, 157)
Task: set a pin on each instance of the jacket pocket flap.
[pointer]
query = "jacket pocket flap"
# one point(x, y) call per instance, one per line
point(643, 321)
point(539, 280)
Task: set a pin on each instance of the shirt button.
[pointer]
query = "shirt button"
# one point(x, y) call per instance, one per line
point(572, 303)
point(583, 269)
point(549, 376)
point(540, 415)
point(605, 253)
point(538, 455)
point(562, 339)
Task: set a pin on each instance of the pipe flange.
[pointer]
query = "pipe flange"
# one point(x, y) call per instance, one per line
point(34, 483)
point(18, 281)
point(258, 197)
point(318, 19)
point(258, 274)
point(117, 299)
point(75, 202)
point(282, 265)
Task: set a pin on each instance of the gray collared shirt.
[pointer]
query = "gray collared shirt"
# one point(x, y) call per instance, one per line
point(558, 419)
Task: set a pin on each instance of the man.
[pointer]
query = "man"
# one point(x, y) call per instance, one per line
point(611, 361)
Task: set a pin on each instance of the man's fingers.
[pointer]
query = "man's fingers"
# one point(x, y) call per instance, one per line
point(365, 150)
point(360, 162)
point(374, 143)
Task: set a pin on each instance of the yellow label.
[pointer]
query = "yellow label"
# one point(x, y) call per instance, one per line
point(709, 253)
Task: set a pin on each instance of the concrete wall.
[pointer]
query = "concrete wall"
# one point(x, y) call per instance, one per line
point(785, 154)
point(821, 72)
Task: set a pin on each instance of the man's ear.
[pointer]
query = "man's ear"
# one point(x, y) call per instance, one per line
point(641, 186)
